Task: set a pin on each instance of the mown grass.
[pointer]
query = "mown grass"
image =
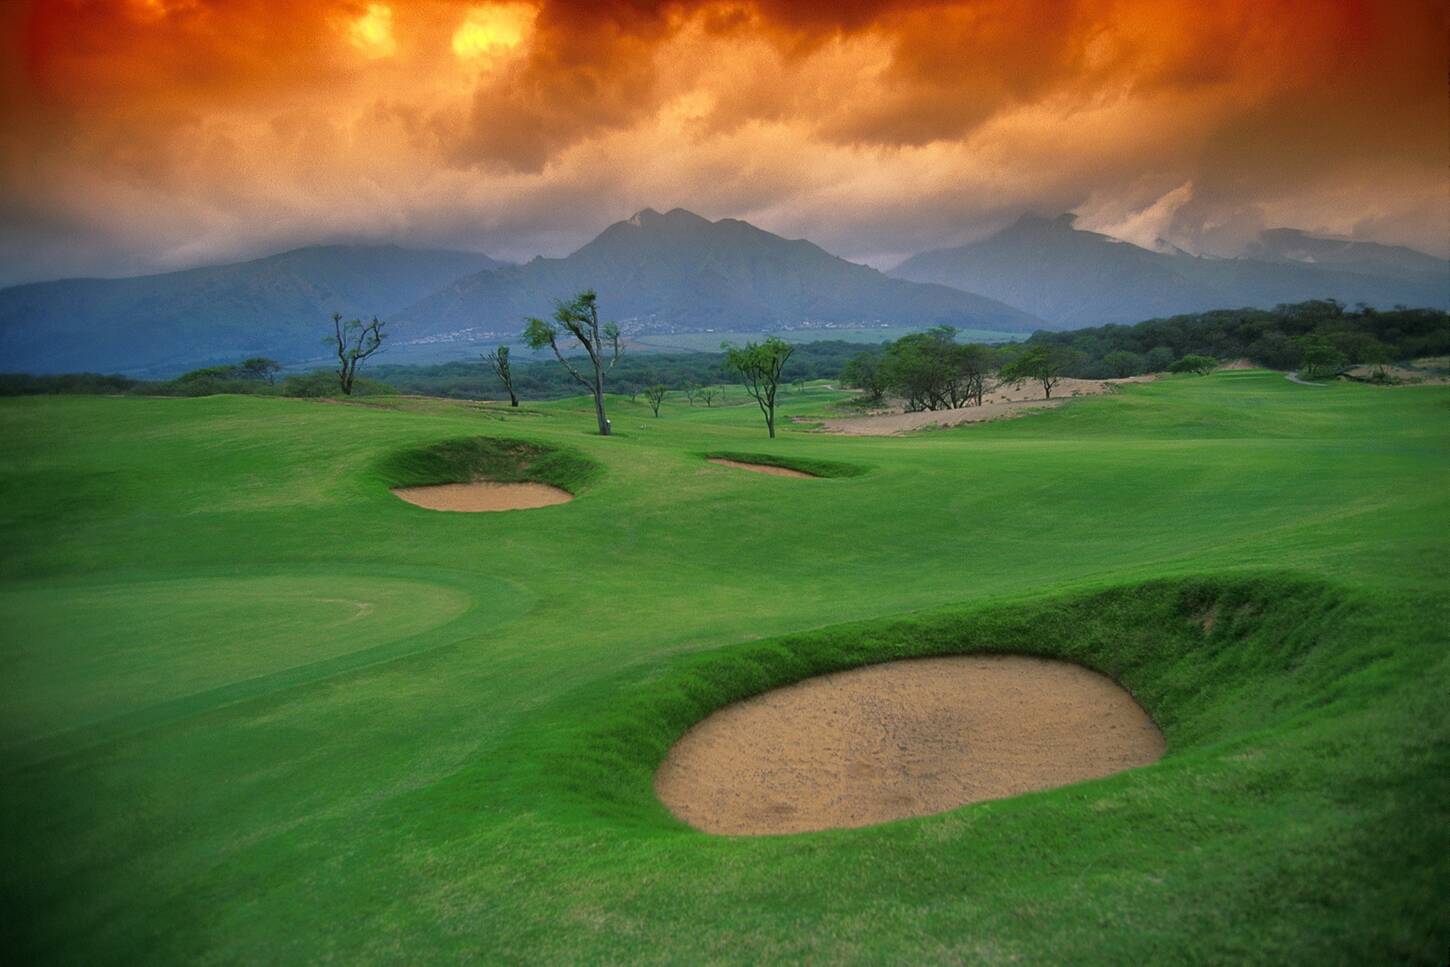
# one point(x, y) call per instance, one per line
point(256, 708)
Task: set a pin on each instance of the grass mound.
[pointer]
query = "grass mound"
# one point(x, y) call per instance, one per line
point(489, 458)
point(810, 465)
point(1260, 803)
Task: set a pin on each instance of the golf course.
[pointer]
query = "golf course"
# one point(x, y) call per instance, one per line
point(258, 708)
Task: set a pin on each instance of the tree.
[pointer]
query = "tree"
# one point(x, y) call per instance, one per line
point(355, 341)
point(1159, 358)
point(499, 360)
point(655, 395)
point(579, 318)
point(1042, 364)
point(918, 367)
point(759, 367)
point(692, 390)
point(1378, 357)
point(1122, 363)
point(864, 372)
point(707, 393)
point(260, 368)
point(972, 367)
point(1202, 365)
point(1320, 357)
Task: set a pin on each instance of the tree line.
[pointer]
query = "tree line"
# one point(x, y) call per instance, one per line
point(1318, 336)
point(926, 370)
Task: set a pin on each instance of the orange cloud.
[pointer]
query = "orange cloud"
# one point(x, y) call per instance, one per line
point(170, 130)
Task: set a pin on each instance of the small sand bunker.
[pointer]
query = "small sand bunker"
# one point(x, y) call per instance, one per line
point(484, 495)
point(762, 468)
point(906, 738)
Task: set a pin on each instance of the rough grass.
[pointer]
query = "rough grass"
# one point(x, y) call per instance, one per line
point(488, 458)
point(256, 710)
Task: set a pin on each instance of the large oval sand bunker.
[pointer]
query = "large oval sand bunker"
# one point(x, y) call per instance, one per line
point(901, 739)
point(484, 495)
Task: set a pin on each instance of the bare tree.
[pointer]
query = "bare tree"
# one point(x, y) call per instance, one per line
point(707, 393)
point(355, 341)
point(692, 391)
point(579, 318)
point(499, 360)
point(759, 367)
point(654, 396)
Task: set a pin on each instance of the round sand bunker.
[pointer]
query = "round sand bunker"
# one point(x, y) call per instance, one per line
point(484, 495)
point(906, 738)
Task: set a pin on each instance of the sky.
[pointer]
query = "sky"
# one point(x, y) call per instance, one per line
point(149, 135)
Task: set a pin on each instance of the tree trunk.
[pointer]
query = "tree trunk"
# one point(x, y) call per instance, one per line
point(599, 404)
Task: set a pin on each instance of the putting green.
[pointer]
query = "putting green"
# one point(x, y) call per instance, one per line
point(84, 654)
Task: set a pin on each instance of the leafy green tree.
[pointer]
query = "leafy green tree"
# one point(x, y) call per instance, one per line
point(692, 392)
point(1043, 364)
point(579, 318)
point(260, 368)
point(354, 341)
point(1158, 359)
point(1377, 356)
point(759, 366)
point(707, 393)
point(655, 395)
point(973, 365)
point(1202, 365)
point(499, 360)
point(1121, 363)
point(931, 371)
point(1321, 358)
point(864, 372)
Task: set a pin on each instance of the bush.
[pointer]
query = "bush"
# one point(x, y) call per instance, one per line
point(1202, 365)
point(322, 384)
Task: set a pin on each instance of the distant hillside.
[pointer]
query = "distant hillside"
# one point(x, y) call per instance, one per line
point(681, 270)
point(276, 306)
point(1073, 278)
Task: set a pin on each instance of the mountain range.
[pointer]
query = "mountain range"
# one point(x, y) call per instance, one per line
point(1073, 278)
point(277, 306)
point(674, 271)
point(686, 272)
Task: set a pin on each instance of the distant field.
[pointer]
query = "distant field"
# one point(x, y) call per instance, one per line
point(710, 341)
point(257, 709)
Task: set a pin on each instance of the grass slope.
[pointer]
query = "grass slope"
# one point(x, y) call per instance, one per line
point(256, 708)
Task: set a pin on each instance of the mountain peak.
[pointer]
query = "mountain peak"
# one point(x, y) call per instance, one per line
point(1044, 223)
point(679, 216)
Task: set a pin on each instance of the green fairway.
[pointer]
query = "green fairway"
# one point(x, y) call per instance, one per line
point(258, 709)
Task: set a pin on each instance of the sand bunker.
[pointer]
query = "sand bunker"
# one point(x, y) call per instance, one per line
point(484, 495)
point(762, 468)
point(906, 738)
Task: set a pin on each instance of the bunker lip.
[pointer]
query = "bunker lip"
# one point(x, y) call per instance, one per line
point(481, 496)
point(765, 468)
point(902, 739)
